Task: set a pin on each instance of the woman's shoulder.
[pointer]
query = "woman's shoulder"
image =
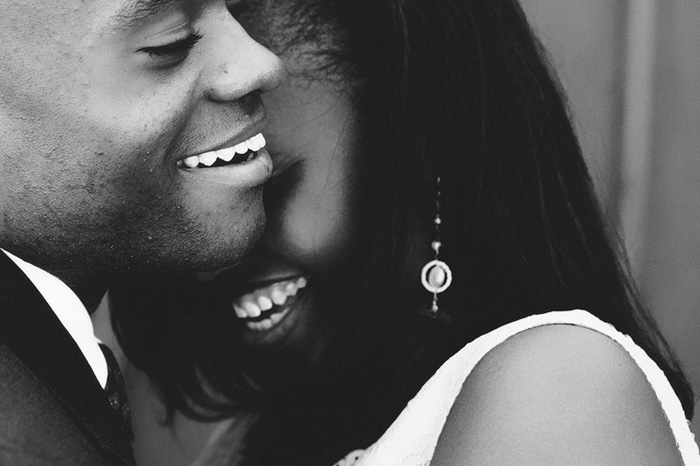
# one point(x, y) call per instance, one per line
point(565, 394)
point(553, 388)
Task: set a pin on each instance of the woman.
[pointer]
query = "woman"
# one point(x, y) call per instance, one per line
point(412, 130)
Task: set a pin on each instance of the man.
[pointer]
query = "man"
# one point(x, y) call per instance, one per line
point(112, 113)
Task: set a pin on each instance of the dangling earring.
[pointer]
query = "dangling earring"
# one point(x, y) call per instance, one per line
point(436, 275)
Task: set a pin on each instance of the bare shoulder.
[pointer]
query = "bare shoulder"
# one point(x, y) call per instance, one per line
point(557, 394)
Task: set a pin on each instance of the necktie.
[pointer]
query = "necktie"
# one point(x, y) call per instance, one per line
point(116, 394)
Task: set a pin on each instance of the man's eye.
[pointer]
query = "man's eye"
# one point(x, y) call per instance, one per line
point(174, 52)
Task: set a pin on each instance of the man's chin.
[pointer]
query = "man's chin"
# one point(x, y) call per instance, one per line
point(209, 261)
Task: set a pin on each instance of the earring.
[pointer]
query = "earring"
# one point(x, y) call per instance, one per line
point(436, 275)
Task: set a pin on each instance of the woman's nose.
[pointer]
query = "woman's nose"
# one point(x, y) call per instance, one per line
point(242, 66)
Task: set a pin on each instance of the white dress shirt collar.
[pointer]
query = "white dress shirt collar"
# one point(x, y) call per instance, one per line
point(71, 312)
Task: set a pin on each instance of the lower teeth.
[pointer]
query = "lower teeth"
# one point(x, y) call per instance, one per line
point(271, 319)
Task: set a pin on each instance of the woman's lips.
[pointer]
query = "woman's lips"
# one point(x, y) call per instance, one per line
point(265, 307)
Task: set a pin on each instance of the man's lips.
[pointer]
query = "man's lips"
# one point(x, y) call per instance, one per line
point(234, 153)
point(249, 170)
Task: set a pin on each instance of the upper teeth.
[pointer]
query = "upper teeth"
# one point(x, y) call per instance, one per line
point(207, 159)
point(252, 304)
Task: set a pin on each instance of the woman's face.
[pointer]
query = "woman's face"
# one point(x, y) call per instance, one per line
point(280, 292)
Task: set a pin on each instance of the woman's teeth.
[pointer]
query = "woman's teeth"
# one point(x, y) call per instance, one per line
point(252, 305)
point(266, 324)
point(226, 155)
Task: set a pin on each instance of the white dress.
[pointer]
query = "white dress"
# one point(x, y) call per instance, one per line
point(411, 439)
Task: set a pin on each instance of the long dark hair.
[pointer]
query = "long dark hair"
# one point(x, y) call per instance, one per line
point(453, 88)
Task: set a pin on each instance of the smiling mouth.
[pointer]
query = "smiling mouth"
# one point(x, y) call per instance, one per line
point(265, 307)
point(238, 154)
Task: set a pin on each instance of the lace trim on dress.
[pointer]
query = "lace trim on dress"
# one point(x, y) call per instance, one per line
point(351, 458)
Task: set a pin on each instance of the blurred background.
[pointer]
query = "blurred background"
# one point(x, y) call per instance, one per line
point(631, 69)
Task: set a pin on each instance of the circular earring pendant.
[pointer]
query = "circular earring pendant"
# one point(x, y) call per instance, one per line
point(436, 276)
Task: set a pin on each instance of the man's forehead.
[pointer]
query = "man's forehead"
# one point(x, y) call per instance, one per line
point(139, 11)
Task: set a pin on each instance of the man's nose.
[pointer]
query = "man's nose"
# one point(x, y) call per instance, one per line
point(241, 66)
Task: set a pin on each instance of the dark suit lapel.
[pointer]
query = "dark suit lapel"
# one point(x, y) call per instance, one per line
point(30, 329)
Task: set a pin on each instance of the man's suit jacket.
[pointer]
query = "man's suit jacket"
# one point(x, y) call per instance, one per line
point(53, 411)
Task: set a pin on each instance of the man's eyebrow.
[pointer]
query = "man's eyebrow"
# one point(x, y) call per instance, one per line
point(139, 11)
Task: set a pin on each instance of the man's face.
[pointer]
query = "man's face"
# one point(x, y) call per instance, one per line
point(100, 103)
